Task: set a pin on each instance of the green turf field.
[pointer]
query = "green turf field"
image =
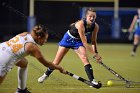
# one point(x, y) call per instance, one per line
point(116, 56)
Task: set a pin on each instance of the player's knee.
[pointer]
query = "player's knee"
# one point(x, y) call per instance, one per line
point(1, 79)
point(26, 63)
point(22, 63)
point(0, 82)
point(83, 57)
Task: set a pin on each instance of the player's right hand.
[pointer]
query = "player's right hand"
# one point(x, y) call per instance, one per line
point(61, 69)
point(97, 57)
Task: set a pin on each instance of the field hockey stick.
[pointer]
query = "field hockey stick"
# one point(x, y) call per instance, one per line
point(131, 33)
point(130, 37)
point(40, 70)
point(114, 73)
point(10, 8)
point(128, 82)
point(19, 13)
point(84, 80)
point(111, 70)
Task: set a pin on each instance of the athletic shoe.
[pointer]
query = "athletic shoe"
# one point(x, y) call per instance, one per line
point(42, 78)
point(132, 54)
point(22, 91)
point(96, 84)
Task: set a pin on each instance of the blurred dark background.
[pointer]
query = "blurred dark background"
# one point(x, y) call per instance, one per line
point(58, 15)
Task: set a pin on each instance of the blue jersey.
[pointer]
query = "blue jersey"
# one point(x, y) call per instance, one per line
point(137, 27)
point(71, 38)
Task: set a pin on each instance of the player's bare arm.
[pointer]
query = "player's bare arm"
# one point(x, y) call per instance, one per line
point(94, 38)
point(80, 26)
point(94, 42)
point(133, 23)
point(34, 51)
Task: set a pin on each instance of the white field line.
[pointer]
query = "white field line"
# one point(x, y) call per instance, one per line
point(71, 88)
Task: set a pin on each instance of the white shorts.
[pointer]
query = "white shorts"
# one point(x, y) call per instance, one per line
point(7, 61)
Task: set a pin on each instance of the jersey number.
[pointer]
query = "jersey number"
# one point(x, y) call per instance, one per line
point(12, 43)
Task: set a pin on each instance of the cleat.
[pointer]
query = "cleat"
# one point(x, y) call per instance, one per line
point(132, 54)
point(96, 84)
point(22, 91)
point(42, 78)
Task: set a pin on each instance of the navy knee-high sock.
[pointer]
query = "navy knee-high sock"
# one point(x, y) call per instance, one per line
point(49, 71)
point(135, 48)
point(89, 72)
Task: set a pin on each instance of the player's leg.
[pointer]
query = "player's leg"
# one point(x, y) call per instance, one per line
point(2, 79)
point(81, 51)
point(59, 56)
point(135, 44)
point(22, 76)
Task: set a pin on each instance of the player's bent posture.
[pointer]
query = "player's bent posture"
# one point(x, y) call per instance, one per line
point(136, 26)
point(76, 38)
point(13, 52)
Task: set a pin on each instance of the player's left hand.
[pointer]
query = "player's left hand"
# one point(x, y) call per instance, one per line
point(98, 58)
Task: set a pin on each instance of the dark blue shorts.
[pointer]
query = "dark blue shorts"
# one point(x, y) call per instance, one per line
point(70, 42)
point(137, 31)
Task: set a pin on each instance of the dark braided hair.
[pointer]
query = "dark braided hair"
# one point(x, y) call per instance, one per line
point(40, 30)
